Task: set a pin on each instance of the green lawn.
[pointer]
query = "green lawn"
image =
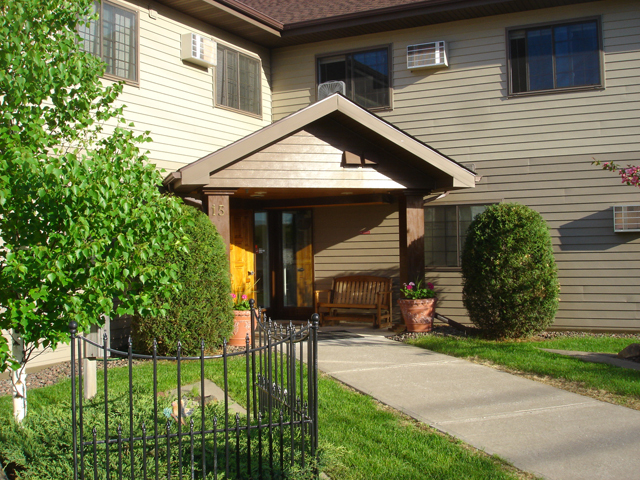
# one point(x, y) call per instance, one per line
point(621, 385)
point(359, 438)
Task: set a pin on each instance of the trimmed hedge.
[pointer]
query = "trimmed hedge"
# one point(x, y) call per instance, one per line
point(202, 310)
point(509, 272)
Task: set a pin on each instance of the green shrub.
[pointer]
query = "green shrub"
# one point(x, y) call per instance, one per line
point(202, 309)
point(509, 272)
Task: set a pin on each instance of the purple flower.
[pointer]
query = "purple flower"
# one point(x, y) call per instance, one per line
point(410, 287)
point(430, 286)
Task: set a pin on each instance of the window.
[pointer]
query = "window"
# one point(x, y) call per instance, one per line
point(114, 38)
point(555, 57)
point(238, 81)
point(445, 230)
point(365, 74)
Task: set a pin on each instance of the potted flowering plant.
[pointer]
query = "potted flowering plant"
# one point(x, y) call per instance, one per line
point(241, 320)
point(418, 306)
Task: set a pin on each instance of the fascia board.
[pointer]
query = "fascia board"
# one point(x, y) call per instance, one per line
point(197, 173)
point(460, 175)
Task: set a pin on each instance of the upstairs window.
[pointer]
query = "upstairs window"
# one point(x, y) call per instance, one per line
point(113, 38)
point(365, 74)
point(445, 230)
point(555, 57)
point(238, 81)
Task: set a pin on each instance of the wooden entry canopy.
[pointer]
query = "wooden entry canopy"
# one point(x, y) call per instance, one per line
point(330, 153)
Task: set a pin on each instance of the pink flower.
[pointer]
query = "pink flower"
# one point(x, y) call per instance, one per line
point(244, 297)
point(430, 286)
point(233, 295)
point(410, 287)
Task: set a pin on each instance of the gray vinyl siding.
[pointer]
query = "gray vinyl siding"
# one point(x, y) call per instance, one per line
point(536, 149)
point(341, 247)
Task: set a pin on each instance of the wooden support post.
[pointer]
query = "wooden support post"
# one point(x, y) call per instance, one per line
point(217, 208)
point(411, 210)
point(90, 377)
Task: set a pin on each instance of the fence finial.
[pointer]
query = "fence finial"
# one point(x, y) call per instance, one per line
point(73, 327)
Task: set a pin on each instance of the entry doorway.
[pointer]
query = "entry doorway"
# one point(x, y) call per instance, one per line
point(282, 260)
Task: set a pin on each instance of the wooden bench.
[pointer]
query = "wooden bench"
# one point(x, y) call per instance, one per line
point(357, 298)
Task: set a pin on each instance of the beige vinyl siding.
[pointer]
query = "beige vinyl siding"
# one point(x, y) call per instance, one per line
point(341, 247)
point(175, 101)
point(45, 357)
point(535, 149)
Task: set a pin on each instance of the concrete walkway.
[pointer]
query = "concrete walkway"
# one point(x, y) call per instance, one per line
point(540, 429)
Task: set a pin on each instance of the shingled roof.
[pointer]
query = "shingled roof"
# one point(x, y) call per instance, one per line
point(278, 23)
point(295, 11)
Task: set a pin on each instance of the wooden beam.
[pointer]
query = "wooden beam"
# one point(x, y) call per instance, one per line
point(411, 210)
point(333, 201)
point(217, 208)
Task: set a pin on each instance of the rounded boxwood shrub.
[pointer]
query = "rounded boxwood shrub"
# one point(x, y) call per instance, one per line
point(202, 309)
point(509, 272)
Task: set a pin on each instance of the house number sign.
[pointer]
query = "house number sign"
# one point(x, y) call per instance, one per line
point(217, 210)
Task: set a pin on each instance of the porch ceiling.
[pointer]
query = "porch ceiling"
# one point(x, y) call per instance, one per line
point(304, 151)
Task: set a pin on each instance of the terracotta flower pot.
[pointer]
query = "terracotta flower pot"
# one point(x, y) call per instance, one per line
point(418, 314)
point(241, 327)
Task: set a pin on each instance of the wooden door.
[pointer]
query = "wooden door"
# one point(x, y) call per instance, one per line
point(241, 254)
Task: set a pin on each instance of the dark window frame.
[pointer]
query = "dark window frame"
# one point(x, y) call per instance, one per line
point(387, 47)
point(526, 28)
point(109, 76)
point(459, 237)
point(222, 64)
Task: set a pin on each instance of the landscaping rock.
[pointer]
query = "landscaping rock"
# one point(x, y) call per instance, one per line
point(630, 351)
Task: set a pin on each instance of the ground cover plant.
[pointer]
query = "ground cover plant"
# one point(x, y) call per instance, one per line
point(358, 438)
point(601, 381)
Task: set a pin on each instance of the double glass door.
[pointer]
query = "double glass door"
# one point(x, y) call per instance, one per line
point(283, 251)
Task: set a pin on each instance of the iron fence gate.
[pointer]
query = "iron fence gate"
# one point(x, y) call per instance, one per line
point(136, 437)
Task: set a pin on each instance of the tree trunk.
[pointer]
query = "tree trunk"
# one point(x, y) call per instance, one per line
point(19, 381)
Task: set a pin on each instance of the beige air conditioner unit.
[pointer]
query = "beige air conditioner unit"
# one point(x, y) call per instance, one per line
point(626, 218)
point(424, 55)
point(199, 50)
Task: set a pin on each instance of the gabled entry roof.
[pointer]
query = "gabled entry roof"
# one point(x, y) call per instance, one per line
point(341, 117)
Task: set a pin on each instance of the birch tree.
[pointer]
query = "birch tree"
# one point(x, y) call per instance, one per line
point(80, 210)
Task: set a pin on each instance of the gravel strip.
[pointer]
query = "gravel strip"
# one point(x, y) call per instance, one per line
point(55, 373)
point(447, 331)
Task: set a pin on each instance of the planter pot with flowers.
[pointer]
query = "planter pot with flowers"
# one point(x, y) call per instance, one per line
point(418, 306)
point(241, 321)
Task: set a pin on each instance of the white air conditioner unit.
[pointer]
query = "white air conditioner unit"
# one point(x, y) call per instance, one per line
point(423, 55)
point(199, 50)
point(329, 88)
point(626, 218)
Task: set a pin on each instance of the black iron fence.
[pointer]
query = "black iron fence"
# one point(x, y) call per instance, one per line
point(131, 435)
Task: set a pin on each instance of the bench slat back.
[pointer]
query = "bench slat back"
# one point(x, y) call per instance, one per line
point(360, 289)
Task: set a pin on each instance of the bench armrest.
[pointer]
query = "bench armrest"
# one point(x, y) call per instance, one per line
point(317, 298)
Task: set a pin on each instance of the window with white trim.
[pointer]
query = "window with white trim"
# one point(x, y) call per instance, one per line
point(445, 230)
point(553, 57)
point(238, 81)
point(113, 38)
